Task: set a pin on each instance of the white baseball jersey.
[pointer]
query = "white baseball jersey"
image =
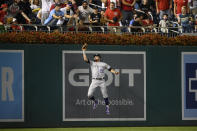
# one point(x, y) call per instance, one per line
point(98, 69)
point(46, 5)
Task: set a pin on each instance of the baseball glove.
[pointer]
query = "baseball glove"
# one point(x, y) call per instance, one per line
point(84, 47)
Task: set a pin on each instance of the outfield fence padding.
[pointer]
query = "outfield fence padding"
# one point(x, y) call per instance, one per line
point(152, 89)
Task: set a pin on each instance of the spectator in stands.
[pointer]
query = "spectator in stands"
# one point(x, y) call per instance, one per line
point(46, 4)
point(94, 19)
point(183, 19)
point(163, 24)
point(16, 10)
point(134, 17)
point(15, 26)
point(83, 12)
point(106, 3)
point(127, 11)
point(136, 23)
point(74, 5)
point(55, 15)
point(137, 4)
point(195, 24)
point(145, 9)
point(113, 16)
point(163, 7)
point(69, 16)
point(26, 7)
point(145, 6)
point(193, 6)
point(178, 4)
point(3, 13)
point(35, 6)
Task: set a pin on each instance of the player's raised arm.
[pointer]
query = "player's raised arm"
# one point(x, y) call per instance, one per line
point(84, 47)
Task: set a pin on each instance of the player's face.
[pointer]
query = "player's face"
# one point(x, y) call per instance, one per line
point(96, 58)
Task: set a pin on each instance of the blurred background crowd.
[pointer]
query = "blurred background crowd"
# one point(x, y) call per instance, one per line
point(111, 13)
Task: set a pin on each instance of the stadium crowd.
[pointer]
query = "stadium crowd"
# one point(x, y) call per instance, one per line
point(110, 13)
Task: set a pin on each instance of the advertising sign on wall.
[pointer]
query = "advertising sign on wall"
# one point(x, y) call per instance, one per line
point(127, 91)
point(11, 85)
point(189, 85)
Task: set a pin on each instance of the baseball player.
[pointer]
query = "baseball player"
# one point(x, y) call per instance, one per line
point(97, 69)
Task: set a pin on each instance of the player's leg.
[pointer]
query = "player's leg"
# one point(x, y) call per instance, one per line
point(91, 91)
point(105, 96)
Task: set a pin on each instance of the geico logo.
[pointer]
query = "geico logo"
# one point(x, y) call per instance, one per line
point(83, 76)
point(7, 78)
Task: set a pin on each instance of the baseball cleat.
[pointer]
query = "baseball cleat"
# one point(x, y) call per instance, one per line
point(107, 110)
point(95, 104)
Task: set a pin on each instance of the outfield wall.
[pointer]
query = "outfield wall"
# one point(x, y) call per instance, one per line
point(46, 86)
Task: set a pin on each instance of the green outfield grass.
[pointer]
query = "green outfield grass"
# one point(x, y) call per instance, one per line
point(108, 129)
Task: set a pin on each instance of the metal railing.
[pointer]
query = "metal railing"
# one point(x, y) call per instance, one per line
point(134, 30)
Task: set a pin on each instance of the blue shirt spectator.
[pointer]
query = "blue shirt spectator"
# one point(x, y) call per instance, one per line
point(54, 16)
point(132, 21)
point(183, 19)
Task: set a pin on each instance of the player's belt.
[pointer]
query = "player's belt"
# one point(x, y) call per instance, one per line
point(98, 78)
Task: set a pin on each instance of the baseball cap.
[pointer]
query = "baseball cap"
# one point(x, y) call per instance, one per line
point(69, 3)
point(97, 55)
point(4, 6)
point(84, 2)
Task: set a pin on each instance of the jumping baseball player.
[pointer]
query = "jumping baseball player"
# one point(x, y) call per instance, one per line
point(97, 69)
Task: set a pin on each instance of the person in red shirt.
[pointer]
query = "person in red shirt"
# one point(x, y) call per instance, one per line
point(163, 7)
point(127, 11)
point(113, 15)
point(3, 13)
point(178, 4)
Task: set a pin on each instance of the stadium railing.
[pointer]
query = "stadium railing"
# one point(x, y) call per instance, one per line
point(134, 30)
